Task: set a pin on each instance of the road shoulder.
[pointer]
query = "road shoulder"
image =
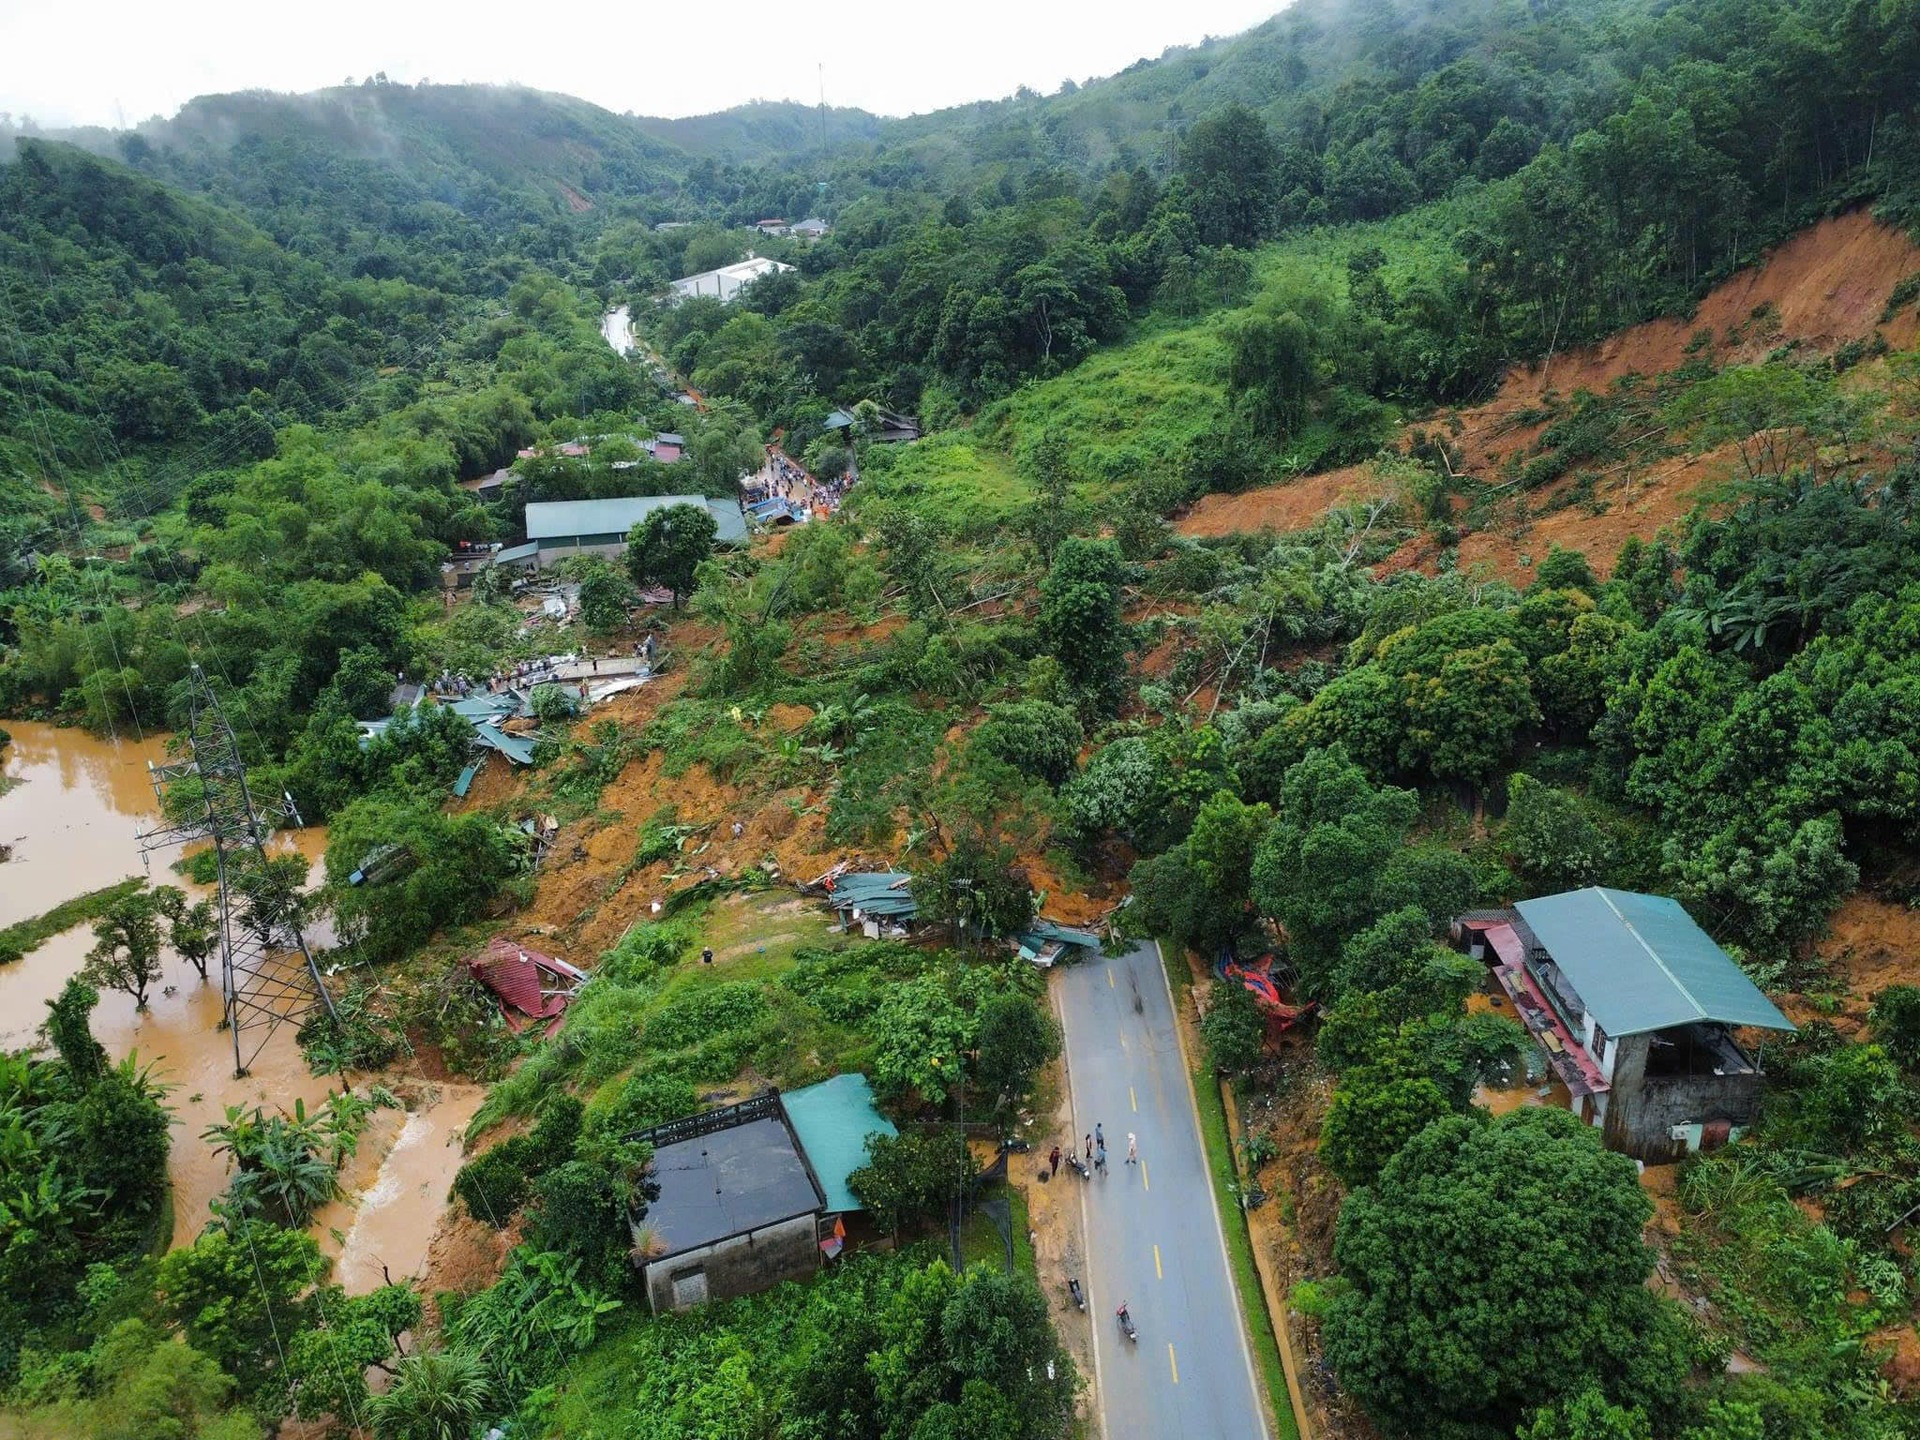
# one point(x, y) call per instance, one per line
point(1254, 1322)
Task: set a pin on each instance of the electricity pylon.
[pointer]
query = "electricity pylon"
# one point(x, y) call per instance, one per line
point(267, 973)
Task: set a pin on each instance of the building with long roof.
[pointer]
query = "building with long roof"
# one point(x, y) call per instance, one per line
point(728, 281)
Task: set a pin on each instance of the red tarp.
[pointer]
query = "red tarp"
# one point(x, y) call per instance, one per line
point(530, 986)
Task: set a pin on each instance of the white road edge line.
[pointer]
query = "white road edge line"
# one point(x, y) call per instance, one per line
point(1206, 1169)
point(1093, 1307)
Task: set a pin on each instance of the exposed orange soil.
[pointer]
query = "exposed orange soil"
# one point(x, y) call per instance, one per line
point(1660, 497)
point(1053, 1214)
point(788, 718)
point(1291, 505)
point(1825, 287)
point(590, 890)
point(1872, 943)
point(1902, 1365)
point(466, 1255)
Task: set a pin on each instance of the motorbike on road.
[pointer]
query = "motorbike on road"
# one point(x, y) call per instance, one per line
point(1126, 1323)
point(1079, 1295)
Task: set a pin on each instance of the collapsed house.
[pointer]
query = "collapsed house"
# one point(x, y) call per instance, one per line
point(1635, 1008)
point(890, 428)
point(532, 988)
point(1046, 944)
point(878, 903)
point(744, 1197)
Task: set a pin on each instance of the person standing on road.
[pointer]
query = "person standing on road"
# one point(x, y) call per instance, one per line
point(1133, 1149)
point(1099, 1135)
point(1053, 1163)
point(1100, 1156)
point(1089, 1149)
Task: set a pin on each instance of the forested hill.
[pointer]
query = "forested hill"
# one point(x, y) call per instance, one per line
point(765, 130)
point(491, 152)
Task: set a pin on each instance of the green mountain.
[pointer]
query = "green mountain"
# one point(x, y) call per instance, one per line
point(765, 130)
point(460, 145)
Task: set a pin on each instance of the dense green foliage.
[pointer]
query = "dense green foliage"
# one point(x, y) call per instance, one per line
point(880, 1347)
point(1524, 1227)
point(251, 353)
point(82, 1173)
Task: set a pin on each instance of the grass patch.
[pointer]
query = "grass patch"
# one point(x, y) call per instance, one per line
point(1233, 1222)
point(27, 936)
point(965, 481)
point(1024, 1260)
point(980, 1240)
point(766, 1009)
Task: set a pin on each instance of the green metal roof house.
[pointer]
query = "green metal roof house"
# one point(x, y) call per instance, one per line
point(833, 1120)
point(1635, 1007)
point(1045, 943)
point(559, 528)
point(753, 1193)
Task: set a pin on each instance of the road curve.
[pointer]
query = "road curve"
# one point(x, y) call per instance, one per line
point(1153, 1234)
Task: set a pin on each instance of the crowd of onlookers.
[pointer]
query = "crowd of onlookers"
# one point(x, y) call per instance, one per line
point(786, 479)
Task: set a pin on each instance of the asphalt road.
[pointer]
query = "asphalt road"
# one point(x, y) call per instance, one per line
point(1153, 1234)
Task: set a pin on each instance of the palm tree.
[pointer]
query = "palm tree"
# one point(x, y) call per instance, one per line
point(434, 1396)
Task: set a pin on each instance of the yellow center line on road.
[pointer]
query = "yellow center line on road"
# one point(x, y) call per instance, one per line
point(1110, 984)
point(1143, 1176)
point(1173, 1362)
point(1132, 1101)
point(1156, 1264)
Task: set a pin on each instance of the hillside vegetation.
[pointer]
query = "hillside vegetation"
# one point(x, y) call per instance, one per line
point(1401, 460)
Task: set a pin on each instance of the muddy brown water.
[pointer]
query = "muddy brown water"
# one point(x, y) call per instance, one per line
point(71, 811)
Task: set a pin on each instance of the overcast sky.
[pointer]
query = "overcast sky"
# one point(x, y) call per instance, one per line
point(116, 62)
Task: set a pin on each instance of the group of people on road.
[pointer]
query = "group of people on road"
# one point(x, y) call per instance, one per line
point(1095, 1149)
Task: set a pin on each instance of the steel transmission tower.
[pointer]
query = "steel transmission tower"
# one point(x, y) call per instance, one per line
point(267, 973)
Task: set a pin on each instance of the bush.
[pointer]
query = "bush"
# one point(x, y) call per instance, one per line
point(496, 1184)
point(710, 1013)
point(1896, 1024)
point(1036, 738)
point(1234, 1028)
point(1372, 1115)
point(1553, 843)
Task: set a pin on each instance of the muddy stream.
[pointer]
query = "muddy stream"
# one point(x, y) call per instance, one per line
point(70, 808)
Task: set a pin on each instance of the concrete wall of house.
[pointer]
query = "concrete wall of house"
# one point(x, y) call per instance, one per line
point(609, 547)
point(741, 1264)
point(1641, 1112)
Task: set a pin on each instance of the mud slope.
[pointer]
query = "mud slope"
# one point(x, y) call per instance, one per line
point(1826, 287)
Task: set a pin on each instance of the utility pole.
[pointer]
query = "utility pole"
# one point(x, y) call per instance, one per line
point(267, 973)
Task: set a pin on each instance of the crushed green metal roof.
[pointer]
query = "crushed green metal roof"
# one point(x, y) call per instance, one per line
point(833, 1120)
point(1045, 932)
point(1640, 963)
point(881, 893)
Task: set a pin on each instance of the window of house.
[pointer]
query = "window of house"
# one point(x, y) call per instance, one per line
point(1599, 1043)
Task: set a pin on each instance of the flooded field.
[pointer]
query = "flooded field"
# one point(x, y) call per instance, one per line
point(71, 808)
